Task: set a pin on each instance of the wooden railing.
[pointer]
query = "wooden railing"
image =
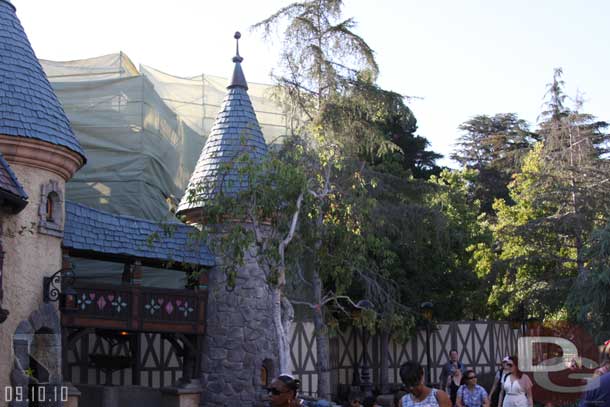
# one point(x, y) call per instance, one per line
point(135, 308)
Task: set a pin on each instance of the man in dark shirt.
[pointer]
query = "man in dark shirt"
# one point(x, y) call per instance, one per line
point(598, 393)
point(450, 367)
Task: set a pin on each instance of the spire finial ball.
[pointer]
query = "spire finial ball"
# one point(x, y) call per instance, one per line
point(237, 35)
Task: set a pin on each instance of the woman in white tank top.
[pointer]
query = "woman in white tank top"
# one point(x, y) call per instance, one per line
point(516, 388)
point(420, 395)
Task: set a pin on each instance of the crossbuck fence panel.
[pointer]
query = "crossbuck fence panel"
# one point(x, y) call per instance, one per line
point(481, 344)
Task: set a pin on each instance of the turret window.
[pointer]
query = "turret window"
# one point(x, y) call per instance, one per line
point(50, 214)
point(52, 199)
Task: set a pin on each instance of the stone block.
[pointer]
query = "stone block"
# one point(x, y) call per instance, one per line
point(259, 292)
point(253, 334)
point(215, 399)
point(228, 391)
point(236, 355)
point(215, 386)
point(217, 330)
point(235, 320)
point(239, 385)
point(250, 348)
point(225, 307)
point(234, 366)
point(231, 345)
point(218, 354)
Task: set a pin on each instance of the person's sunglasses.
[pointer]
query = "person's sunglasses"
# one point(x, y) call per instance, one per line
point(355, 402)
point(274, 391)
point(471, 377)
point(509, 364)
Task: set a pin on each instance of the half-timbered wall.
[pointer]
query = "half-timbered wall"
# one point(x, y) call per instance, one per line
point(481, 344)
point(160, 366)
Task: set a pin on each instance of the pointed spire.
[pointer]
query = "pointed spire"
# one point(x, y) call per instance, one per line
point(236, 132)
point(238, 79)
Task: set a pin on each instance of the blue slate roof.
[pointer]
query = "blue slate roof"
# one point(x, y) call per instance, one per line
point(9, 182)
point(236, 131)
point(28, 106)
point(89, 229)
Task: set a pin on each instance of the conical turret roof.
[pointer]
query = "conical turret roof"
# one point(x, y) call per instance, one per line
point(28, 106)
point(236, 132)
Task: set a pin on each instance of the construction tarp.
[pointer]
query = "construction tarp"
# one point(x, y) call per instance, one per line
point(143, 130)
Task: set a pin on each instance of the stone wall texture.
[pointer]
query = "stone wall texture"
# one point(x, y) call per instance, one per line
point(239, 338)
point(29, 256)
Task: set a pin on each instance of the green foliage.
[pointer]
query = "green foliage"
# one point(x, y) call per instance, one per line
point(541, 248)
point(495, 146)
point(588, 299)
point(320, 51)
point(498, 141)
point(464, 228)
point(329, 73)
point(380, 126)
point(258, 215)
point(530, 262)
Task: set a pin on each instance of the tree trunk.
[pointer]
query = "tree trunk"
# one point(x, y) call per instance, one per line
point(322, 343)
point(281, 322)
point(580, 264)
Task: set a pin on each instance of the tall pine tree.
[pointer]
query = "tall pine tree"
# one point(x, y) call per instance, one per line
point(494, 146)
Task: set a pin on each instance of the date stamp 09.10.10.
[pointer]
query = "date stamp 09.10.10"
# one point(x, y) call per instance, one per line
point(42, 395)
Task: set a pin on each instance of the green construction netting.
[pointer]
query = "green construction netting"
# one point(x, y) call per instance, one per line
point(143, 130)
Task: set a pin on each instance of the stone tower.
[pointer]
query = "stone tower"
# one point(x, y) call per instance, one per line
point(240, 349)
point(38, 144)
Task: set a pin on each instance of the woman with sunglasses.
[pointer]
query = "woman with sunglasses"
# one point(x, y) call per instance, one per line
point(516, 387)
point(420, 395)
point(283, 391)
point(470, 394)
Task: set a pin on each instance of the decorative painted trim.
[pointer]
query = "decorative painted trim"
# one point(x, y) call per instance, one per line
point(51, 226)
point(39, 154)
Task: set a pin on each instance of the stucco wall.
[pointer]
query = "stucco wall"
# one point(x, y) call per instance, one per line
point(29, 256)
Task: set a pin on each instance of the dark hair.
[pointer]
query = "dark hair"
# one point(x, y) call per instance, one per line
point(515, 361)
point(290, 382)
point(356, 396)
point(466, 374)
point(411, 373)
point(369, 401)
point(454, 350)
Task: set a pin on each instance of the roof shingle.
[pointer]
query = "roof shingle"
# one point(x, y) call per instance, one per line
point(13, 197)
point(236, 132)
point(102, 232)
point(28, 106)
point(9, 182)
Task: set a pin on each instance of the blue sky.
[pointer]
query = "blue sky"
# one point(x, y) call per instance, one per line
point(462, 58)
